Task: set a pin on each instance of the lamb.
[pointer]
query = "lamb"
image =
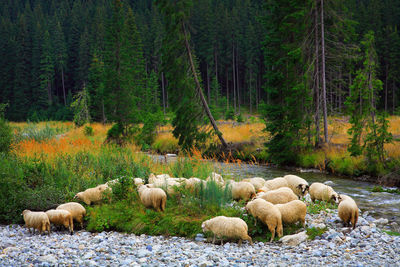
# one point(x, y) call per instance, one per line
point(36, 220)
point(229, 227)
point(257, 182)
point(268, 214)
point(92, 195)
point(348, 210)
point(276, 183)
point(216, 178)
point(242, 190)
point(153, 197)
point(322, 192)
point(61, 217)
point(297, 184)
point(293, 211)
point(77, 211)
point(279, 196)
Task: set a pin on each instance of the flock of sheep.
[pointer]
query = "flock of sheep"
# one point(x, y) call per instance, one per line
point(273, 202)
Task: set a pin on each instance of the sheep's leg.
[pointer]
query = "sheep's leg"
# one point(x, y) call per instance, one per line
point(273, 234)
point(222, 242)
point(240, 242)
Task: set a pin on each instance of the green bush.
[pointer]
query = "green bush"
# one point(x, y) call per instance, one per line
point(314, 232)
point(88, 131)
point(230, 114)
point(240, 118)
point(6, 136)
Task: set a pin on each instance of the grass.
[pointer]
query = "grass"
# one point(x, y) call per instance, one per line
point(388, 190)
point(314, 232)
point(318, 206)
point(392, 233)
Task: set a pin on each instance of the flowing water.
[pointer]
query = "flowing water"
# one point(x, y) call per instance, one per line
point(378, 204)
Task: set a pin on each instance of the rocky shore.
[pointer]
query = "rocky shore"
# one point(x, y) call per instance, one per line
point(367, 245)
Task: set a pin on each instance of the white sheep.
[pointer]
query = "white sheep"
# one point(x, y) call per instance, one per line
point(324, 192)
point(193, 184)
point(168, 184)
point(279, 196)
point(229, 227)
point(216, 178)
point(297, 184)
point(77, 211)
point(61, 217)
point(36, 220)
point(242, 190)
point(276, 183)
point(268, 214)
point(92, 195)
point(153, 197)
point(257, 182)
point(293, 211)
point(348, 210)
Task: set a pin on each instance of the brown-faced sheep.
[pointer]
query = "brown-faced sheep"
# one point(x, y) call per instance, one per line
point(36, 220)
point(324, 192)
point(348, 210)
point(242, 190)
point(297, 184)
point(293, 211)
point(268, 214)
point(257, 182)
point(92, 195)
point(153, 197)
point(279, 196)
point(77, 211)
point(61, 217)
point(276, 183)
point(228, 227)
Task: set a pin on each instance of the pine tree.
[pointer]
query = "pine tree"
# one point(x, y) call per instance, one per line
point(47, 69)
point(95, 89)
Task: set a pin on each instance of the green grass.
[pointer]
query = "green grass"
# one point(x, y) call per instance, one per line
point(314, 232)
point(392, 233)
point(381, 189)
point(318, 206)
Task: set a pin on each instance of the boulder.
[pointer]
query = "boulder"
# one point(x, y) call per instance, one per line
point(294, 240)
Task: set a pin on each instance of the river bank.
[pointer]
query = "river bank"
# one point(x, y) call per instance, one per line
point(367, 245)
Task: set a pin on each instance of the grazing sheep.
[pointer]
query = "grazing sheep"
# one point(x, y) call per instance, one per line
point(61, 217)
point(279, 196)
point(216, 178)
point(92, 195)
point(297, 184)
point(229, 227)
point(276, 183)
point(77, 211)
point(152, 178)
point(168, 184)
point(322, 192)
point(293, 211)
point(257, 182)
point(36, 220)
point(193, 184)
point(242, 190)
point(153, 197)
point(268, 214)
point(348, 210)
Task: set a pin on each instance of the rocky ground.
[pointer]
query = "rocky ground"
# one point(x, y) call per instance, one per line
point(367, 245)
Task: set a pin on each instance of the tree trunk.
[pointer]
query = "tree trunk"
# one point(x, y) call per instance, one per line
point(163, 91)
point(200, 91)
point(234, 77)
point(63, 86)
point(324, 107)
point(393, 95)
point(216, 77)
point(237, 80)
point(208, 85)
point(386, 88)
point(317, 100)
point(250, 89)
point(227, 89)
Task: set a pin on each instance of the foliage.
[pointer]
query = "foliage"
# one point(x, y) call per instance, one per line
point(388, 190)
point(240, 118)
point(313, 232)
point(38, 133)
point(230, 114)
point(88, 130)
point(6, 136)
point(318, 206)
point(80, 107)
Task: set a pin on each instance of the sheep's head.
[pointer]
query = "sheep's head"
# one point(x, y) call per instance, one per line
point(339, 198)
point(335, 197)
point(303, 188)
point(204, 226)
point(24, 212)
point(78, 196)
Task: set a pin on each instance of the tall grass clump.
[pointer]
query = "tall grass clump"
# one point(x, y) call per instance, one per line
point(38, 132)
point(211, 194)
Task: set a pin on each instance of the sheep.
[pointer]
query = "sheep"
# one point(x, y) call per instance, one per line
point(136, 181)
point(36, 220)
point(77, 211)
point(193, 184)
point(293, 211)
point(279, 196)
point(276, 183)
point(348, 210)
point(230, 227)
point(322, 192)
point(242, 190)
point(268, 214)
point(216, 178)
point(168, 184)
point(297, 184)
point(153, 197)
point(92, 195)
point(257, 182)
point(61, 217)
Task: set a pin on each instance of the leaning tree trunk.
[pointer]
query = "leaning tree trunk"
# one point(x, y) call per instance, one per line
point(317, 101)
point(200, 92)
point(324, 107)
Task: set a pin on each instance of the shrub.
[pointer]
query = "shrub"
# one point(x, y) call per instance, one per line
point(6, 136)
point(230, 114)
point(240, 118)
point(88, 131)
point(314, 232)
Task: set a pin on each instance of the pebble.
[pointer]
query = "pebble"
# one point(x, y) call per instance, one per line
point(367, 245)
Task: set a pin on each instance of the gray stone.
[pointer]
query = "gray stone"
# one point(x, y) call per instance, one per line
point(381, 221)
point(48, 258)
point(294, 240)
